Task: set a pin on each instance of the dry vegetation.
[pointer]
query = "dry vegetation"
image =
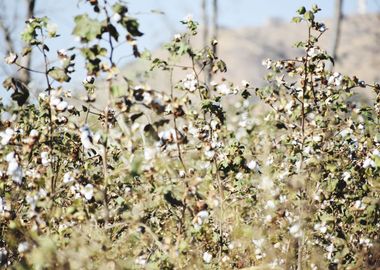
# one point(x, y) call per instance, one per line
point(177, 180)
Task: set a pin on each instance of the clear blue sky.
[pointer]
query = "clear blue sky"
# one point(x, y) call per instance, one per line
point(159, 28)
point(233, 13)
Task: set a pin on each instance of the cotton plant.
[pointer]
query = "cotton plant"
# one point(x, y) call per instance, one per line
point(183, 178)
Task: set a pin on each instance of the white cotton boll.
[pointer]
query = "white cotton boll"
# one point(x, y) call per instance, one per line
point(214, 124)
point(62, 53)
point(307, 150)
point(312, 52)
point(283, 198)
point(42, 193)
point(42, 96)
point(346, 176)
point(88, 191)
point(3, 206)
point(239, 176)
point(10, 156)
point(149, 153)
point(359, 205)
point(295, 230)
point(89, 79)
point(322, 27)
point(268, 219)
point(258, 242)
point(345, 132)
point(266, 183)
point(188, 18)
point(366, 242)
point(54, 101)
point(11, 58)
point(116, 17)
point(270, 204)
point(86, 137)
point(182, 174)
point(45, 159)
point(14, 170)
point(209, 154)
point(147, 98)
point(141, 260)
point(22, 247)
point(338, 78)
point(203, 215)
point(33, 133)
point(62, 106)
point(177, 37)
point(32, 201)
point(18, 175)
point(267, 63)
point(67, 178)
point(320, 227)
point(317, 138)
point(223, 89)
point(7, 117)
point(207, 257)
point(368, 163)
point(376, 153)
point(252, 165)
point(190, 83)
point(6, 136)
point(245, 83)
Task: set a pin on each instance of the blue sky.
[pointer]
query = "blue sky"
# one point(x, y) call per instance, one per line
point(158, 28)
point(233, 13)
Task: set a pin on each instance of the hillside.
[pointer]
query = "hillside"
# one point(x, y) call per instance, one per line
point(244, 49)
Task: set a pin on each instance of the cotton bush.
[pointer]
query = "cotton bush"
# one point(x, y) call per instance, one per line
point(183, 178)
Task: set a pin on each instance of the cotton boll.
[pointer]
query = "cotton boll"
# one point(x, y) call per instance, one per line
point(62, 106)
point(207, 257)
point(45, 159)
point(88, 191)
point(22, 247)
point(252, 165)
point(67, 178)
point(86, 137)
point(6, 136)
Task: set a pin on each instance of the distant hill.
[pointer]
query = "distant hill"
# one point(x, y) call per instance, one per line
point(244, 49)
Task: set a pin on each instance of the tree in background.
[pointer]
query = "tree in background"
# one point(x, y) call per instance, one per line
point(338, 16)
point(362, 6)
point(210, 29)
point(24, 74)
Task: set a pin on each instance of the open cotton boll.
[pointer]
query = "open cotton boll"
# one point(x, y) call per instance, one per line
point(207, 257)
point(88, 191)
point(45, 159)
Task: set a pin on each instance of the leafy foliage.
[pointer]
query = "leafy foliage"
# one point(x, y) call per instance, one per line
point(179, 179)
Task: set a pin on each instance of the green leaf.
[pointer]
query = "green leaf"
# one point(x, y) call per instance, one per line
point(301, 10)
point(297, 19)
point(221, 65)
point(116, 90)
point(135, 116)
point(21, 91)
point(119, 8)
point(59, 74)
point(315, 8)
point(113, 31)
point(132, 27)
point(86, 28)
point(245, 94)
point(309, 16)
